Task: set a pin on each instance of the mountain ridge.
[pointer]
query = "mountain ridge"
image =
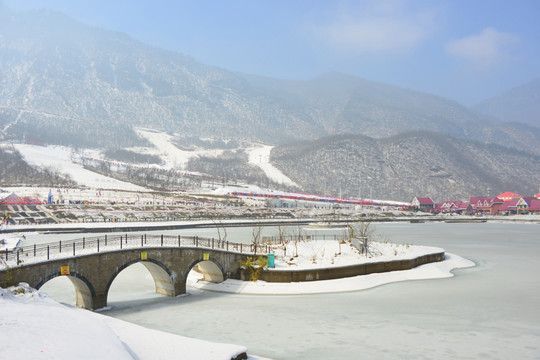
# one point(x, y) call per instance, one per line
point(64, 82)
point(407, 165)
point(519, 104)
point(69, 83)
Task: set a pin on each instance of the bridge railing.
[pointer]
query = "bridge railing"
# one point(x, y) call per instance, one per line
point(91, 245)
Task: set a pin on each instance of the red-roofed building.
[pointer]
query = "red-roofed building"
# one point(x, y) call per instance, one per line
point(459, 207)
point(514, 206)
point(421, 203)
point(465, 208)
point(507, 196)
point(447, 206)
point(486, 204)
point(537, 195)
point(534, 206)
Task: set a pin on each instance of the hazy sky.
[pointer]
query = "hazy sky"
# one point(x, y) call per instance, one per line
point(465, 50)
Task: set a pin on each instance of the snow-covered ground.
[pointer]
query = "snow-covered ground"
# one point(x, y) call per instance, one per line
point(60, 159)
point(10, 241)
point(437, 270)
point(172, 155)
point(35, 326)
point(260, 156)
point(315, 254)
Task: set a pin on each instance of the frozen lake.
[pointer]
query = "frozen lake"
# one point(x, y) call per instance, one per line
point(489, 311)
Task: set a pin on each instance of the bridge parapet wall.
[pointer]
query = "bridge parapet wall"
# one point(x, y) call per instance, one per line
point(89, 245)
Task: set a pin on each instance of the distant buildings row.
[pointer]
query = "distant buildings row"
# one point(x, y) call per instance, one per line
point(508, 203)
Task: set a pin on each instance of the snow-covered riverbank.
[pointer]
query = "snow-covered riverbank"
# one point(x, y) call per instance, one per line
point(35, 326)
point(436, 270)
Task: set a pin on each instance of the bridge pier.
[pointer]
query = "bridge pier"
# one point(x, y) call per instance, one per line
point(84, 296)
point(98, 302)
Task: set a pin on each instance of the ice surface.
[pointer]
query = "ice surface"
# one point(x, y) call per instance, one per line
point(487, 311)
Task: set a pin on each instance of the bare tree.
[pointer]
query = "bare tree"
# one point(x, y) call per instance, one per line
point(219, 226)
point(256, 233)
point(299, 236)
point(361, 234)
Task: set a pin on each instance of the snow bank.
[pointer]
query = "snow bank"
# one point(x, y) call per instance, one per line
point(36, 326)
point(436, 270)
point(10, 241)
point(163, 345)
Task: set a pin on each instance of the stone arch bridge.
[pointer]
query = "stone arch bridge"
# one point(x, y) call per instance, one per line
point(93, 264)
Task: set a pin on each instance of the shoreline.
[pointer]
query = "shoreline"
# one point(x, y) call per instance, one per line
point(435, 270)
point(91, 227)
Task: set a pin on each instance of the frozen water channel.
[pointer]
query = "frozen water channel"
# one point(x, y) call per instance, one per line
point(489, 311)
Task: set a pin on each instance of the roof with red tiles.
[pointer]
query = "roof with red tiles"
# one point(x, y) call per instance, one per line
point(425, 201)
point(534, 205)
point(509, 195)
point(485, 201)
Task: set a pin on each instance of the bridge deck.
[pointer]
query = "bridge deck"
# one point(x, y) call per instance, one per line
point(91, 245)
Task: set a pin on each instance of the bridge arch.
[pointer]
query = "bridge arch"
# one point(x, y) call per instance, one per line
point(163, 277)
point(84, 290)
point(211, 270)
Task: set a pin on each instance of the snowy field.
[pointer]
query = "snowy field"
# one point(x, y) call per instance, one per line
point(174, 157)
point(60, 159)
point(36, 327)
point(260, 156)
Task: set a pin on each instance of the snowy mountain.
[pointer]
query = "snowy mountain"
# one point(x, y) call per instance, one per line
point(407, 165)
point(64, 82)
point(520, 104)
